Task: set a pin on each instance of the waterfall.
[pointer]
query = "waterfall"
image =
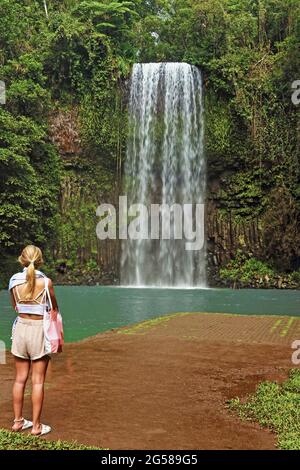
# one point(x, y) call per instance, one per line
point(164, 165)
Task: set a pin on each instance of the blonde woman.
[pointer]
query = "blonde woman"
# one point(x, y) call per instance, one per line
point(29, 298)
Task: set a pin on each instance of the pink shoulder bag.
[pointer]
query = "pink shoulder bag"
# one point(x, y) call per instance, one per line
point(53, 326)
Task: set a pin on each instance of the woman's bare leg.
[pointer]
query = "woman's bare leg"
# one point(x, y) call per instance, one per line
point(39, 369)
point(22, 371)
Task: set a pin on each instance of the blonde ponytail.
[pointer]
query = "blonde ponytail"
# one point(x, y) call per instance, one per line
point(31, 257)
point(30, 278)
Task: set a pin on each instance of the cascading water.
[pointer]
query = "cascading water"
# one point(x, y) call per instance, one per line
point(164, 165)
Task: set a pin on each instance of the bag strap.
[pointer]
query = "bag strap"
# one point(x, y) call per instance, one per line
point(48, 293)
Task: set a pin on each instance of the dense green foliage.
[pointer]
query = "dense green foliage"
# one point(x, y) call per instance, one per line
point(276, 407)
point(247, 271)
point(75, 62)
point(22, 441)
point(244, 270)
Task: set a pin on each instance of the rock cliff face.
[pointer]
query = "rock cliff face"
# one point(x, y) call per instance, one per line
point(85, 184)
point(225, 237)
point(64, 132)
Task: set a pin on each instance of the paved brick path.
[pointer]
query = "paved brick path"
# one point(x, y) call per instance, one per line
point(265, 329)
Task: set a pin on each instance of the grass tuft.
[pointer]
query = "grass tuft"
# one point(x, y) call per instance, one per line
point(21, 441)
point(277, 407)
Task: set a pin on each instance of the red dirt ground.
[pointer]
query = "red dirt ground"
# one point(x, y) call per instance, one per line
point(162, 384)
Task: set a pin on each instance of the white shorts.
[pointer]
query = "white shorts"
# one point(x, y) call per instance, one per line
point(28, 339)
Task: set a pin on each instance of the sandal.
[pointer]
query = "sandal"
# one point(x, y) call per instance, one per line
point(26, 424)
point(45, 430)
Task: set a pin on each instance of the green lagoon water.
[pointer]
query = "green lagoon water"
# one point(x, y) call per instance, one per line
point(90, 310)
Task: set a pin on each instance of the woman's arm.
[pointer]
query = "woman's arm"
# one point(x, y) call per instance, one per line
point(52, 295)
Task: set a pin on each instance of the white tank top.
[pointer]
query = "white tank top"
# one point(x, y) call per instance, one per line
point(31, 306)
